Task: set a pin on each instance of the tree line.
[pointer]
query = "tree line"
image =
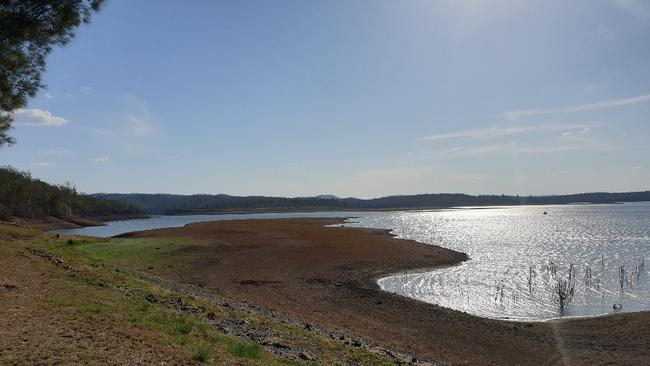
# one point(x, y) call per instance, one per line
point(203, 203)
point(27, 197)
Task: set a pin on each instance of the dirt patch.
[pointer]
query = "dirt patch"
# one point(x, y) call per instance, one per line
point(327, 276)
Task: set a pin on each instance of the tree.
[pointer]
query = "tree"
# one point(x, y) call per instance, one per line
point(28, 31)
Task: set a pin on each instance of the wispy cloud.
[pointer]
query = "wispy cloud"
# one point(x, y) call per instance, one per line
point(102, 159)
point(140, 125)
point(512, 148)
point(139, 118)
point(612, 103)
point(48, 96)
point(56, 152)
point(87, 88)
point(638, 167)
point(577, 133)
point(37, 117)
point(494, 132)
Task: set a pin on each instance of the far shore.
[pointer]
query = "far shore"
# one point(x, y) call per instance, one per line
point(326, 276)
point(352, 209)
point(50, 223)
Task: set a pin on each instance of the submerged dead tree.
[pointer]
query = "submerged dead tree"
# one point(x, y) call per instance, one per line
point(565, 289)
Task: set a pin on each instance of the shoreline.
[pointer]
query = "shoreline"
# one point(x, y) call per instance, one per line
point(51, 223)
point(327, 276)
point(352, 209)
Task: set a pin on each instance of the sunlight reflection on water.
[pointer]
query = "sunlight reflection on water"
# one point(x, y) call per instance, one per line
point(518, 256)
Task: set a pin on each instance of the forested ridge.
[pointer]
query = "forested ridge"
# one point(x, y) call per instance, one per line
point(204, 203)
point(23, 196)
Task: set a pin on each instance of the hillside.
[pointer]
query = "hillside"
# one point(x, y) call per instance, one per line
point(23, 196)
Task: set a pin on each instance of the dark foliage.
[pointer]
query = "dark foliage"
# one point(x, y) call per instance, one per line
point(202, 203)
point(23, 196)
point(28, 31)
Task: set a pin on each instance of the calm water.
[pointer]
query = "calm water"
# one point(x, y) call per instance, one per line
point(518, 256)
point(113, 228)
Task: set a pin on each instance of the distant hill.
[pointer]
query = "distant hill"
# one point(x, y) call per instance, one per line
point(204, 203)
point(26, 197)
point(327, 197)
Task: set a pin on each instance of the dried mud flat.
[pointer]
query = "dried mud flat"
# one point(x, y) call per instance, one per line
point(326, 276)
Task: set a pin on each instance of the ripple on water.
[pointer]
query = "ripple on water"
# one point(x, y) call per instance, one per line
point(518, 256)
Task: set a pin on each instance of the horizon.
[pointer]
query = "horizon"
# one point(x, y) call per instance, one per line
point(370, 198)
point(365, 99)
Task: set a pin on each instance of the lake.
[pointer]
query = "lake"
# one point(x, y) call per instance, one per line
point(521, 261)
point(113, 228)
point(519, 255)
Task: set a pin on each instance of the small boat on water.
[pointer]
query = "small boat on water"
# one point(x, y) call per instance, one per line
point(545, 213)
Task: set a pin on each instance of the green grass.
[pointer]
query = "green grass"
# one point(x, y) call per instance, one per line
point(83, 306)
point(252, 351)
point(131, 252)
point(16, 232)
point(202, 353)
point(185, 331)
point(106, 266)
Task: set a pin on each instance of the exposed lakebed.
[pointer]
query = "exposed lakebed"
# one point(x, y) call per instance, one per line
point(518, 256)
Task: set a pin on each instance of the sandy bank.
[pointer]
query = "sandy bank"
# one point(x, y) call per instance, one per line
point(326, 275)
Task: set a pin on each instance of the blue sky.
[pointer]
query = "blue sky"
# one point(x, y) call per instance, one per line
point(354, 98)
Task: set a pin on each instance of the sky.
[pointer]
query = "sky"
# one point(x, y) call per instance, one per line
point(358, 98)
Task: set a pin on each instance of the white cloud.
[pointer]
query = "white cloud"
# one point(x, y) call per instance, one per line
point(493, 132)
point(43, 163)
point(637, 167)
point(48, 96)
point(584, 130)
point(37, 117)
point(102, 159)
point(612, 103)
point(87, 88)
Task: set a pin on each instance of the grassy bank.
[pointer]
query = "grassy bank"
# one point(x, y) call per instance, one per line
point(75, 300)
